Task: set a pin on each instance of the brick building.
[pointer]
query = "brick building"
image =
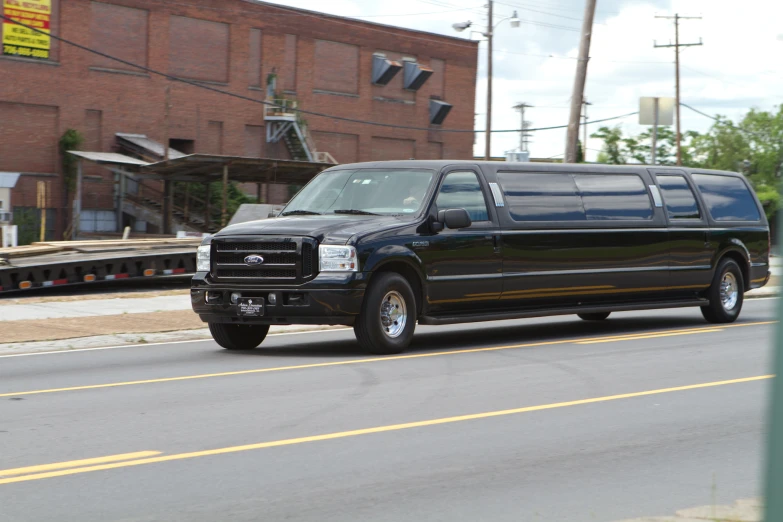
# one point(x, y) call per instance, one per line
point(324, 63)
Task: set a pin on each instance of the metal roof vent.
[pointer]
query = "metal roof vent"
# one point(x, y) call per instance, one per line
point(438, 111)
point(415, 75)
point(383, 70)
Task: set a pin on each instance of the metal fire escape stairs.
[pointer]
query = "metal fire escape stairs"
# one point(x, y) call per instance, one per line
point(282, 124)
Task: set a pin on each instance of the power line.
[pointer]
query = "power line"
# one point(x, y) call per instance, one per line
point(198, 85)
point(541, 12)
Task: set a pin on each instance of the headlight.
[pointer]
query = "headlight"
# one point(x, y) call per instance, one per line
point(337, 258)
point(202, 258)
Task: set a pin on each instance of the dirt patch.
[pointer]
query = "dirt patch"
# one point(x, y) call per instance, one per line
point(72, 327)
point(93, 297)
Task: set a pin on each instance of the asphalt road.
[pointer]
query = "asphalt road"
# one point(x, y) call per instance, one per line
point(539, 420)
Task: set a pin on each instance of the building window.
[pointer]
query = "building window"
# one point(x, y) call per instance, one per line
point(255, 58)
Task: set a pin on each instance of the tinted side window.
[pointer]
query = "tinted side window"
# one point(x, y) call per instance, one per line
point(541, 197)
point(727, 198)
point(614, 197)
point(678, 197)
point(463, 190)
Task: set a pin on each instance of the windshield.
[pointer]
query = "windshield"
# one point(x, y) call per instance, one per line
point(363, 191)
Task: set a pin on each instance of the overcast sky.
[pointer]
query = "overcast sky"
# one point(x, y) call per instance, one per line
point(738, 67)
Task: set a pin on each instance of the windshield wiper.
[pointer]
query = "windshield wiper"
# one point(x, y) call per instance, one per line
point(300, 213)
point(356, 212)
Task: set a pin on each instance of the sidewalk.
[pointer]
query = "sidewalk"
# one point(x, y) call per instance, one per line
point(743, 510)
point(51, 323)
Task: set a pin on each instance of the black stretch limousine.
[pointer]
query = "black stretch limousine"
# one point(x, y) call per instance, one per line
point(382, 246)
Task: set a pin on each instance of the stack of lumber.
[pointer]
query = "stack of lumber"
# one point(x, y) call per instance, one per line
point(54, 247)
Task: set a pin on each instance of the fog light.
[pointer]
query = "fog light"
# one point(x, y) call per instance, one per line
point(235, 297)
point(272, 299)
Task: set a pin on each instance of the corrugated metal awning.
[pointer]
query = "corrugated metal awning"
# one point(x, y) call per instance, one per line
point(144, 146)
point(208, 167)
point(8, 179)
point(107, 158)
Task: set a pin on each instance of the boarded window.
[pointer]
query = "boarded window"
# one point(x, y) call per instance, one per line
point(437, 81)
point(118, 31)
point(343, 147)
point(385, 149)
point(255, 57)
point(213, 142)
point(336, 67)
point(254, 141)
point(288, 76)
point(198, 49)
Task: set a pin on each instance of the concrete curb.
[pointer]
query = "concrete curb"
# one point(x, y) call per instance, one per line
point(202, 334)
point(135, 339)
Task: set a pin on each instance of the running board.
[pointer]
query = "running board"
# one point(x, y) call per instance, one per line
point(504, 316)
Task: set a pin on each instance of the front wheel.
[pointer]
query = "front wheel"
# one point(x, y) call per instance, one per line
point(238, 336)
point(388, 318)
point(597, 316)
point(726, 293)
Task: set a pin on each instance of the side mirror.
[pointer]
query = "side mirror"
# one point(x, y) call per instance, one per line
point(455, 218)
point(273, 214)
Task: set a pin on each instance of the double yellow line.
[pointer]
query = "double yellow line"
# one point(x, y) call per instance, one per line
point(370, 360)
point(75, 467)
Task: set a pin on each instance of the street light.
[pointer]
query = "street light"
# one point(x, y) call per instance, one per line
point(459, 27)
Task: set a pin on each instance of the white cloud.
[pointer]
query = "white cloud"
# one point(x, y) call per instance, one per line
point(737, 67)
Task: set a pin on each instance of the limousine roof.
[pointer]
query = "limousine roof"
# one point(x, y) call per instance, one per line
point(530, 167)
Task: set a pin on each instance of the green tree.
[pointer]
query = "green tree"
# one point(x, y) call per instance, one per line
point(612, 151)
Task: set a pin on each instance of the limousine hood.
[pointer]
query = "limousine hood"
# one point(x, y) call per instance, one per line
point(331, 228)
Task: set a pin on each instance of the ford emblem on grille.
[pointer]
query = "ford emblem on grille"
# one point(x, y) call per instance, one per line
point(254, 260)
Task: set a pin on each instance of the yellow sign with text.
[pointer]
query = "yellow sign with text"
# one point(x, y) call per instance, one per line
point(30, 40)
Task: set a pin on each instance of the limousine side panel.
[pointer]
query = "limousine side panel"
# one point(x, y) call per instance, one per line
point(545, 267)
point(748, 244)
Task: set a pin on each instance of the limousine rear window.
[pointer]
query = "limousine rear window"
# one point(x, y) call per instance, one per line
point(679, 198)
point(727, 198)
point(579, 197)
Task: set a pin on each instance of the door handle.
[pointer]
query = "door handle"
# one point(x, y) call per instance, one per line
point(497, 243)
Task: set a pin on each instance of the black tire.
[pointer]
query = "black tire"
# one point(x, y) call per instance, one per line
point(597, 316)
point(722, 308)
point(369, 328)
point(238, 336)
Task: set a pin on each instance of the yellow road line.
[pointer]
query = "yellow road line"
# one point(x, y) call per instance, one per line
point(377, 429)
point(651, 336)
point(368, 360)
point(77, 463)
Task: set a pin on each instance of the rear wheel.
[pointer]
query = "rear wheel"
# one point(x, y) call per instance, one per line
point(726, 293)
point(238, 336)
point(597, 316)
point(388, 317)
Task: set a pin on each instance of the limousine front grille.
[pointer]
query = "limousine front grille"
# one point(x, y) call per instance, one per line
point(232, 258)
point(283, 260)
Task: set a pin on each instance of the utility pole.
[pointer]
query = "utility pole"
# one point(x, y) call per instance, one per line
point(488, 131)
point(677, 46)
point(585, 103)
point(572, 136)
point(523, 134)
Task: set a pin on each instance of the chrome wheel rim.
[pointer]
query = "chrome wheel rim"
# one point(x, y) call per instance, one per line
point(729, 291)
point(394, 314)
